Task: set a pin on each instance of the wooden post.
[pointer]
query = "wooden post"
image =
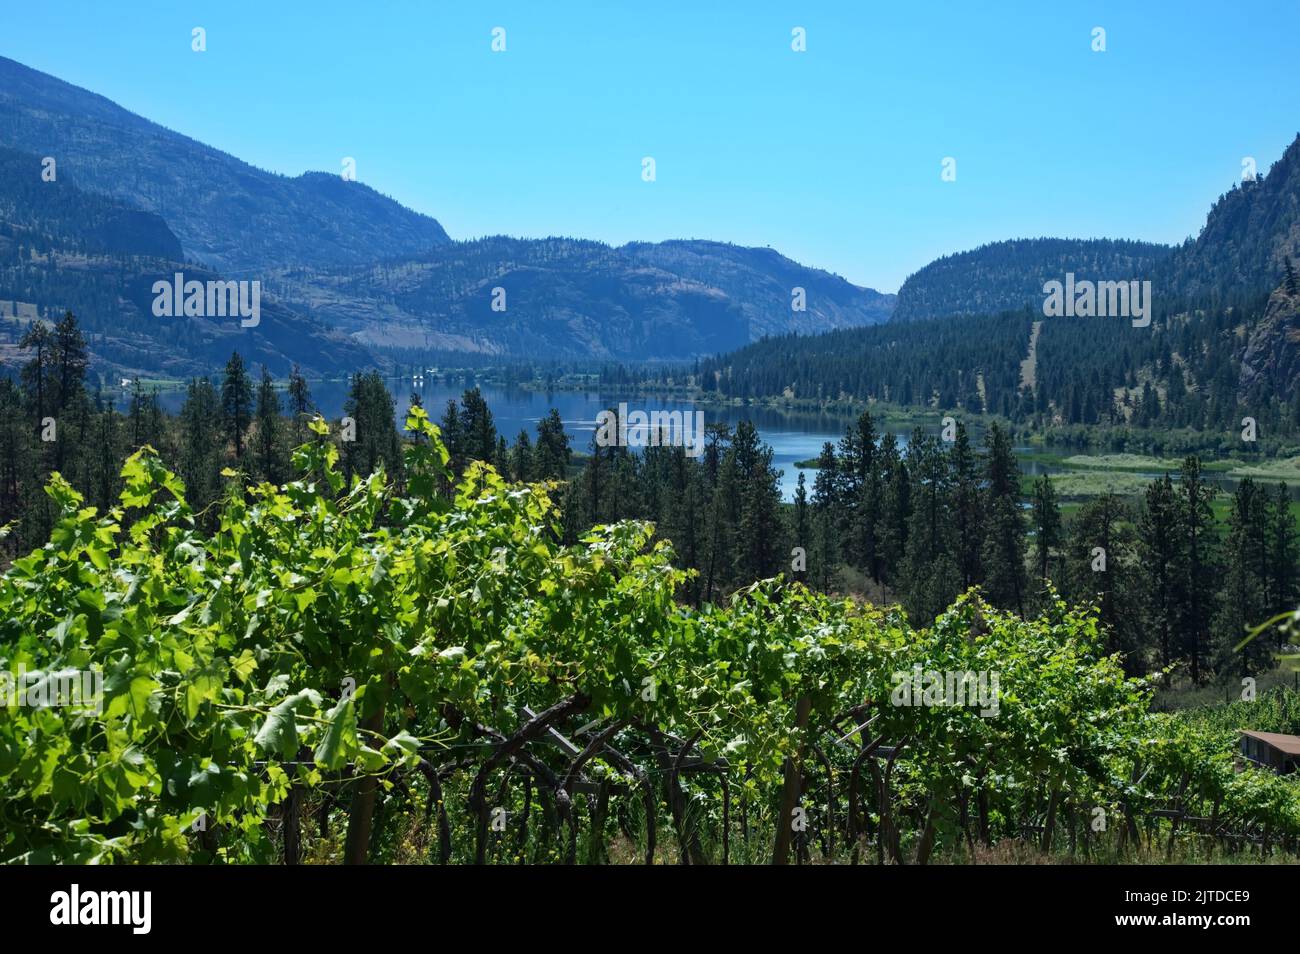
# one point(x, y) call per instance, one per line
point(791, 786)
point(356, 850)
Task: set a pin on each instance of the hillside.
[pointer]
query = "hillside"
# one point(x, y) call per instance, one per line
point(760, 280)
point(389, 277)
point(1008, 275)
point(1247, 235)
point(62, 248)
point(1222, 343)
point(229, 215)
point(568, 298)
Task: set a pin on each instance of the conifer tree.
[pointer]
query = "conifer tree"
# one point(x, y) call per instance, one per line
point(521, 458)
point(478, 432)
point(300, 405)
point(802, 524)
point(1160, 554)
point(200, 424)
point(1244, 594)
point(1047, 524)
point(1282, 555)
point(968, 511)
point(1003, 553)
point(269, 451)
point(376, 443)
point(236, 403)
point(1100, 569)
point(1198, 543)
point(553, 452)
point(931, 579)
point(896, 508)
point(759, 517)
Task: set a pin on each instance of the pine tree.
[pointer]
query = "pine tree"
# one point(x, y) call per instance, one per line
point(477, 429)
point(759, 517)
point(300, 404)
point(1244, 596)
point(1047, 524)
point(521, 458)
point(1003, 553)
point(553, 452)
point(269, 453)
point(38, 375)
point(40, 390)
point(1197, 526)
point(866, 506)
point(70, 361)
point(105, 477)
point(145, 418)
point(236, 403)
point(200, 461)
point(1160, 553)
point(377, 443)
point(895, 510)
point(453, 437)
point(931, 579)
point(501, 458)
point(1282, 556)
point(1100, 570)
point(825, 504)
point(802, 524)
point(15, 453)
point(968, 511)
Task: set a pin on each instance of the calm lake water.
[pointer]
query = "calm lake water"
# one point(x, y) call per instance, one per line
point(792, 436)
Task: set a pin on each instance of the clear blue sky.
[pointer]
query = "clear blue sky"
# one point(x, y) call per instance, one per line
point(831, 156)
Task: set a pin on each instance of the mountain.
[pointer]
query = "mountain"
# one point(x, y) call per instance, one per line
point(1003, 276)
point(34, 212)
point(390, 278)
point(62, 248)
point(1223, 343)
point(1247, 235)
point(568, 297)
point(1270, 364)
point(228, 215)
point(760, 282)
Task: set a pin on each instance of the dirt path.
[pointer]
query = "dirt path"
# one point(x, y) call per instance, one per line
point(1029, 366)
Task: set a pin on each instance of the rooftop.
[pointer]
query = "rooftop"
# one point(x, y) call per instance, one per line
point(1290, 744)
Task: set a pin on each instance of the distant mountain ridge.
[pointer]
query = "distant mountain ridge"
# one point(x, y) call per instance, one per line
point(391, 279)
point(761, 282)
point(561, 297)
point(228, 214)
point(1008, 275)
point(62, 248)
point(1248, 234)
point(1224, 341)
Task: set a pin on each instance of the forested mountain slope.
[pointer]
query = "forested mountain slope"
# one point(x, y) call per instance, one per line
point(228, 214)
point(563, 298)
point(1010, 275)
point(62, 249)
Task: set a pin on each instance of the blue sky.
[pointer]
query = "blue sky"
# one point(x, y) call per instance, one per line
point(831, 156)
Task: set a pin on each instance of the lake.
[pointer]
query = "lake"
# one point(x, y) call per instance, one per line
point(793, 436)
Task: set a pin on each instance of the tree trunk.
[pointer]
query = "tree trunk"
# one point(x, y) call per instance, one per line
point(356, 850)
point(791, 786)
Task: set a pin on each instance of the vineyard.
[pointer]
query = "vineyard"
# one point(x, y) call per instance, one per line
point(369, 673)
